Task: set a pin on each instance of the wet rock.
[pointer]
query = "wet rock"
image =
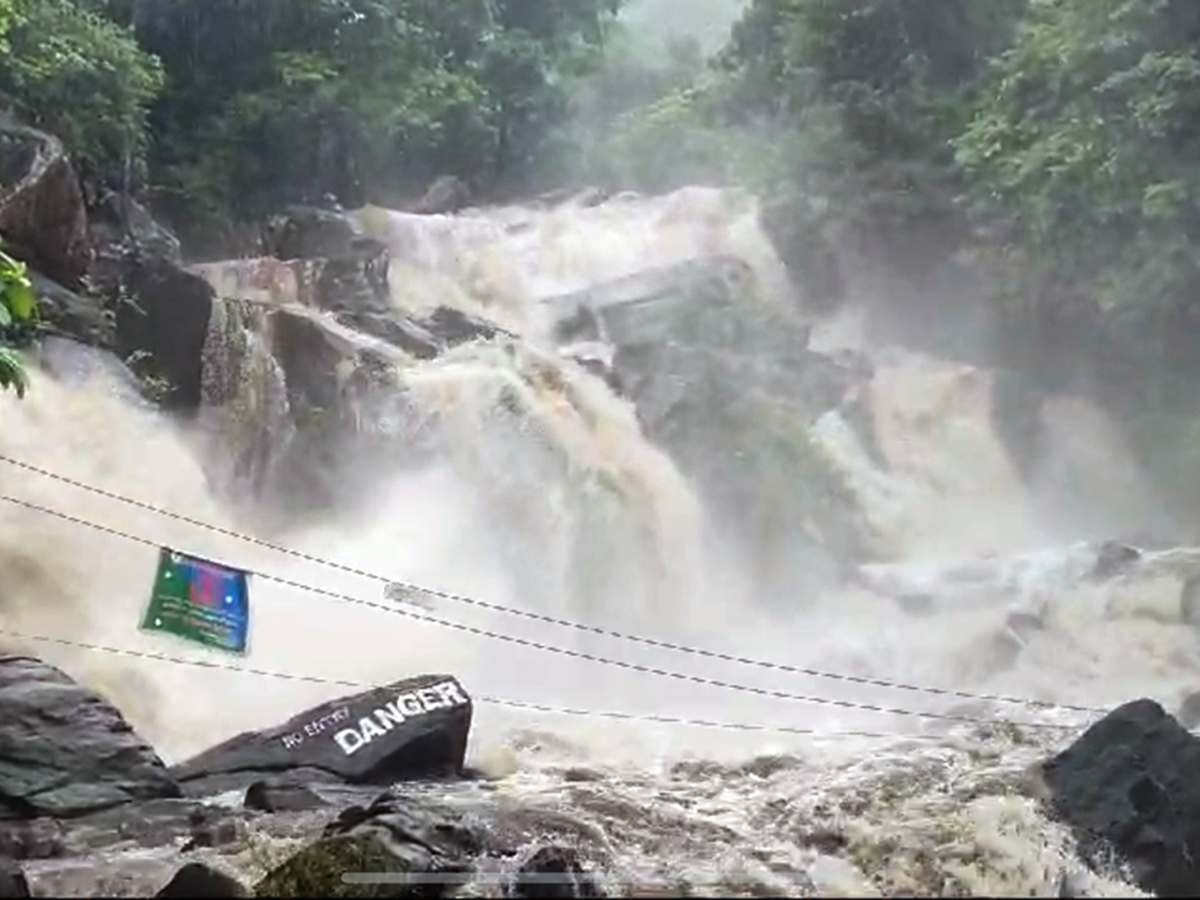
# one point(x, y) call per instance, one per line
point(392, 839)
point(1129, 783)
point(411, 729)
point(38, 839)
point(1189, 711)
point(446, 195)
point(316, 358)
point(827, 840)
point(728, 387)
point(123, 224)
point(199, 880)
point(42, 215)
point(162, 325)
point(12, 881)
point(65, 752)
point(397, 331)
point(161, 310)
point(272, 796)
point(554, 872)
point(73, 315)
point(217, 834)
point(303, 232)
point(1112, 559)
point(154, 823)
point(355, 281)
point(581, 775)
point(453, 327)
point(74, 363)
point(808, 255)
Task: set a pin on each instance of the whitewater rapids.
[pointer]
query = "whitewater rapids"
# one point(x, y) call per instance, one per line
point(925, 807)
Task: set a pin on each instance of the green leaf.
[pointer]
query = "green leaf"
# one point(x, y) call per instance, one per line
point(21, 300)
point(6, 318)
point(12, 372)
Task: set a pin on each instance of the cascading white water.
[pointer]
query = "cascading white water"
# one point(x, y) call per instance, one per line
point(543, 492)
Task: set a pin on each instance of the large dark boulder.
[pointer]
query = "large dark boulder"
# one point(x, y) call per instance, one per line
point(199, 880)
point(400, 840)
point(64, 751)
point(1129, 783)
point(42, 215)
point(446, 195)
point(411, 729)
point(161, 310)
point(304, 232)
point(162, 326)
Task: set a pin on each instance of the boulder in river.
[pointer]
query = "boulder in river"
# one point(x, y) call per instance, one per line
point(406, 845)
point(411, 729)
point(554, 872)
point(198, 880)
point(64, 751)
point(1129, 783)
point(304, 232)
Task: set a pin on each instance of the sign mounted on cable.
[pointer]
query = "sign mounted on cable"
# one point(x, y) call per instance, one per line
point(200, 601)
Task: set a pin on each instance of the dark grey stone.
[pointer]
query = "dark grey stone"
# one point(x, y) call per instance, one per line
point(65, 752)
point(1129, 783)
point(355, 738)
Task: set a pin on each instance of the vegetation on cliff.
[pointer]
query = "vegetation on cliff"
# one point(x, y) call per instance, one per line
point(1056, 138)
point(18, 312)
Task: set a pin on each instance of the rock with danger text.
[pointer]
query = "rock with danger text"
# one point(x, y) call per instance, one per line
point(411, 729)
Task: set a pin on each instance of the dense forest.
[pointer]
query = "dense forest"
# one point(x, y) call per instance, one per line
point(1057, 140)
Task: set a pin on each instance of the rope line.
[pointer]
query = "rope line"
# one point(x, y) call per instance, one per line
point(493, 701)
point(552, 620)
point(563, 651)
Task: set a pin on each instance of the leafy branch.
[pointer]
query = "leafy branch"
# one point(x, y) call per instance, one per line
point(18, 312)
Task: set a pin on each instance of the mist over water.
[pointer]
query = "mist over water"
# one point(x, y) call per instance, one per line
point(538, 489)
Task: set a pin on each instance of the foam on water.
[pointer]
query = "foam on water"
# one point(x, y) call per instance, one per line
point(544, 494)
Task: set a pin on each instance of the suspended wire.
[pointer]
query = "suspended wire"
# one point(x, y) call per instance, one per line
point(561, 651)
point(553, 620)
point(492, 701)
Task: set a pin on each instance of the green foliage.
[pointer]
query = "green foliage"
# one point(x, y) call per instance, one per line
point(18, 313)
point(1086, 147)
point(83, 78)
point(362, 99)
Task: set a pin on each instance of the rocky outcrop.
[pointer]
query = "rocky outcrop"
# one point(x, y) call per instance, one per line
point(162, 326)
point(303, 232)
point(446, 195)
point(724, 381)
point(1128, 783)
point(391, 839)
point(42, 215)
point(808, 255)
point(161, 310)
point(410, 729)
point(64, 751)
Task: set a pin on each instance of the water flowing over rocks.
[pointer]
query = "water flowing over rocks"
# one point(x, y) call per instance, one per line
point(469, 396)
